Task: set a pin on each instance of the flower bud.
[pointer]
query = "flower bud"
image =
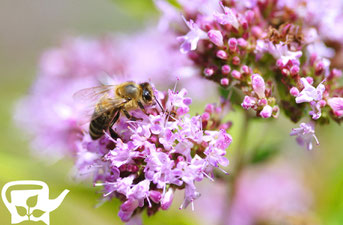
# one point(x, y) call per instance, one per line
point(322, 103)
point(236, 74)
point(242, 42)
point(226, 69)
point(125, 216)
point(279, 63)
point(294, 91)
point(221, 54)
point(319, 68)
point(155, 196)
point(245, 70)
point(295, 70)
point(205, 116)
point(129, 206)
point(216, 37)
point(236, 61)
point(266, 111)
point(276, 111)
point(244, 23)
point(258, 85)
point(232, 44)
point(167, 199)
point(224, 81)
point(208, 72)
point(309, 80)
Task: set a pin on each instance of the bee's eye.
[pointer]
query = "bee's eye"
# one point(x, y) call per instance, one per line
point(146, 95)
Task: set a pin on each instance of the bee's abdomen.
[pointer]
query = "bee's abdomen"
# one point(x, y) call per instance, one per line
point(98, 125)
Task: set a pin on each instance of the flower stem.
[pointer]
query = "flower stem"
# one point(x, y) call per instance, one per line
point(238, 166)
point(240, 152)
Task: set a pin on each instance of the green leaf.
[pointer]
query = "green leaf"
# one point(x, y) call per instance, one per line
point(37, 213)
point(32, 201)
point(21, 210)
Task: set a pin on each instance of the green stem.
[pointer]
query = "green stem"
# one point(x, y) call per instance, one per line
point(239, 161)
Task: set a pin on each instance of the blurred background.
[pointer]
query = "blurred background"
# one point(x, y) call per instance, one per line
point(28, 27)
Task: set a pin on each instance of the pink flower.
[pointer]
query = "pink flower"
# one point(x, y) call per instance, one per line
point(266, 111)
point(310, 93)
point(305, 134)
point(190, 40)
point(279, 51)
point(160, 151)
point(228, 17)
point(248, 102)
point(336, 105)
point(316, 110)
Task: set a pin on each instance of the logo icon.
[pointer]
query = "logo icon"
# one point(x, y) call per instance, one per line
point(33, 204)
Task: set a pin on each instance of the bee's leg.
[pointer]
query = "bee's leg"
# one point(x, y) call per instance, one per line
point(141, 106)
point(129, 116)
point(114, 134)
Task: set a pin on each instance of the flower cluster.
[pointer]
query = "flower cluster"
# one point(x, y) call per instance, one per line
point(157, 155)
point(85, 62)
point(269, 51)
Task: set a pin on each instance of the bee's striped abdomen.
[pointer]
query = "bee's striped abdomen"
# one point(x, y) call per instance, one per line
point(99, 124)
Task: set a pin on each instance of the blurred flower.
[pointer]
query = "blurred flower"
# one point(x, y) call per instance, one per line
point(269, 194)
point(228, 17)
point(336, 105)
point(190, 40)
point(305, 135)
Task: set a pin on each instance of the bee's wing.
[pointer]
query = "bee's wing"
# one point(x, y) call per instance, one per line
point(105, 105)
point(87, 99)
point(93, 94)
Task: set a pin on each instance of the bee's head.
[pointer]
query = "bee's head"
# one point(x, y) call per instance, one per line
point(147, 93)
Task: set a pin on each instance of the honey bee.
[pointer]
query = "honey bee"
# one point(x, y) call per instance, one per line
point(109, 101)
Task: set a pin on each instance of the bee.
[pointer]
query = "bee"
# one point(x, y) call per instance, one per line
point(111, 101)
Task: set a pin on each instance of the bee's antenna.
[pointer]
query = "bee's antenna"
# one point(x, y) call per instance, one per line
point(159, 104)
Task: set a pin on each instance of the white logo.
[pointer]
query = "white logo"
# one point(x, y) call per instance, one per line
point(33, 204)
